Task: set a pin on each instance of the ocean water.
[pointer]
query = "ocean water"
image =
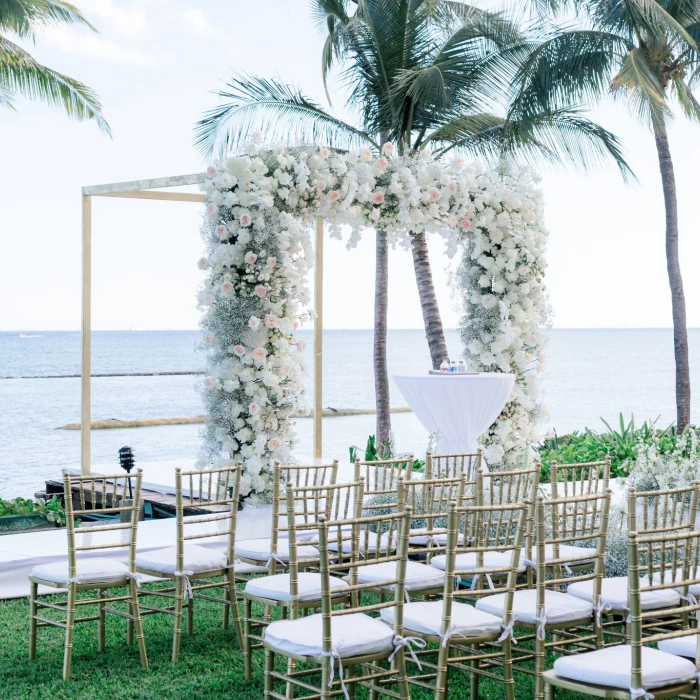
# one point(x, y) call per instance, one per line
point(589, 374)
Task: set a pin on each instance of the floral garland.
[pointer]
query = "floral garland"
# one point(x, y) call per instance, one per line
point(505, 306)
point(258, 207)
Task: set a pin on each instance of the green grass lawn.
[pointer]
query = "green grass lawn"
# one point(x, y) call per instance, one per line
point(210, 665)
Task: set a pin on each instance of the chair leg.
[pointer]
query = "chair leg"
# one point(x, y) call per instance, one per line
point(179, 593)
point(33, 593)
point(190, 616)
point(326, 678)
point(549, 691)
point(137, 623)
point(402, 676)
point(349, 673)
point(269, 668)
point(474, 679)
point(247, 641)
point(508, 669)
point(441, 678)
point(102, 622)
point(232, 608)
point(70, 626)
point(539, 668)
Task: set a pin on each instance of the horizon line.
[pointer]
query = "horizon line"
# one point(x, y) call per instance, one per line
point(310, 328)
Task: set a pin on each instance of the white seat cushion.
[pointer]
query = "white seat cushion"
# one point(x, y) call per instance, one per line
point(197, 559)
point(559, 607)
point(425, 617)
point(419, 537)
point(352, 635)
point(243, 567)
point(668, 578)
point(682, 646)
point(418, 576)
point(277, 587)
point(370, 541)
point(259, 550)
point(566, 551)
point(466, 561)
point(94, 570)
point(311, 536)
point(612, 666)
point(613, 592)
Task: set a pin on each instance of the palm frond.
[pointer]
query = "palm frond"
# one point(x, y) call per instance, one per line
point(638, 80)
point(685, 98)
point(476, 134)
point(280, 111)
point(24, 17)
point(21, 74)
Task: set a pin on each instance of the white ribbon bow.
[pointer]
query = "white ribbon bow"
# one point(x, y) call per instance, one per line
point(407, 642)
point(640, 694)
point(690, 598)
point(185, 575)
point(274, 557)
point(489, 581)
point(530, 562)
point(599, 610)
point(541, 622)
point(136, 577)
point(333, 655)
point(449, 634)
point(508, 631)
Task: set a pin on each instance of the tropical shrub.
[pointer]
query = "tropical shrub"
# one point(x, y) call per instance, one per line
point(52, 510)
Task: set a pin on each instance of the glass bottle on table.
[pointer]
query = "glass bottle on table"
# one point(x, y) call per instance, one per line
point(453, 367)
point(445, 366)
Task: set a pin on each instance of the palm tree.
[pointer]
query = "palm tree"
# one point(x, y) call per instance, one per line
point(422, 74)
point(644, 52)
point(21, 75)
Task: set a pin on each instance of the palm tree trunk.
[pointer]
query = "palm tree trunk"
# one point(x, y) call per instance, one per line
point(680, 332)
point(428, 301)
point(381, 373)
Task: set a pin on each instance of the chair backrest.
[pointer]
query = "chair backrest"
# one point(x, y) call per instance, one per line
point(381, 477)
point(102, 496)
point(500, 488)
point(429, 500)
point(581, 521)
point(391, 523)
point(442, 465)
point(579, 479)
point(687, 545)
point(495, 529)
point(339, 504)
point(657, 516)
point(217, 489)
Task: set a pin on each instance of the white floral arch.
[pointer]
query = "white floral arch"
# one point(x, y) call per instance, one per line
point(258, 210)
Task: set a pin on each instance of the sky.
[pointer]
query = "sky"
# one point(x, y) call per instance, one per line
point(155, 64)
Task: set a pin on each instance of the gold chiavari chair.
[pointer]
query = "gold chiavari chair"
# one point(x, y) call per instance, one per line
point(501, 488)
point(339, 641)
point(192, 566)
point(649, 513)
point(442, 465)
point(470, 640)
point(574, 623)
point(299, 589)
point(635, 671)
point(273, 552)
point(102, 496)
point(381, 478)
point(580, 478)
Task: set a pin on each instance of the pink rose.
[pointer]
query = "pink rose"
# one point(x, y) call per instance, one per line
point(296, 324)
point(208, 383)
point(271, 320)
point(382, 162)
point(250, 258)
point(212, 210)
point(245, 218)
point(253, 322)
point(260, 354)
point(286, 368)
point(378, 197)
point(465, 223)
point(388, 148)
point(301, 344)
point(202, 263)
point(366, 155)
point(253, 408)
point(261, 290)
point(271, 261)
point(221, 231)
point(238, 350)
point(275, 444)
point(433, 194)
point(320, 185)
point(324, 152)
point(212, 171)
point(209, 339)
point(452, 187)
point(333, 196)
point(227, 287)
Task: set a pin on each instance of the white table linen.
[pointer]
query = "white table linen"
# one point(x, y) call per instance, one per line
point(457, 408)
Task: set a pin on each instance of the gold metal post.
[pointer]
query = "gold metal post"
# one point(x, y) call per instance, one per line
point(86, 330)
point(318, 343)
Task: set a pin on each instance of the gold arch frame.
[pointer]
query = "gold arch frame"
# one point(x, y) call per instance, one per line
point(153, 189)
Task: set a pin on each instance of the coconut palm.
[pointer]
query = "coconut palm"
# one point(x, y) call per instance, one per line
point(641, 52)
point(422, 74)
point(21, 75)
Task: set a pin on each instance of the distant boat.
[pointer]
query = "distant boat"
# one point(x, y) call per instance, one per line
point(24, 335)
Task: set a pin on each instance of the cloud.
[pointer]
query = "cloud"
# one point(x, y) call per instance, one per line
point(196, 21)
point(96, 47)
point(126, 19)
